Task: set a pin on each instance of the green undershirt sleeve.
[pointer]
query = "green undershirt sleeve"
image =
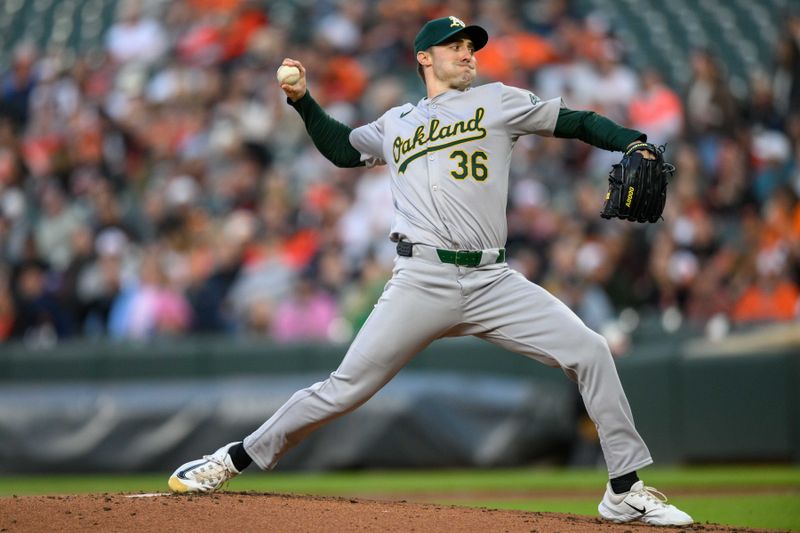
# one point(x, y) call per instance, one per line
point(594, 129)
point(331, 137)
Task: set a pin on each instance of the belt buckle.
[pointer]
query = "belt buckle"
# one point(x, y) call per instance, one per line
point(467, 258)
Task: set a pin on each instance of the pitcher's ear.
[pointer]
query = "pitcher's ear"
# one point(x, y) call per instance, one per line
point(424, 58)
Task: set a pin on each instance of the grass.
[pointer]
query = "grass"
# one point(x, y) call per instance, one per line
point(709, 494)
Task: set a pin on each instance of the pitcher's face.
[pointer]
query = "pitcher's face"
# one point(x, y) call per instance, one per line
point(454, 63)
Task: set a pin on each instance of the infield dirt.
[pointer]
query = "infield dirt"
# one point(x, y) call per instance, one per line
point(258, 512)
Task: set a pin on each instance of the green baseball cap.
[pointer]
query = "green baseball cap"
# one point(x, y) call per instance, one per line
point(437, 31)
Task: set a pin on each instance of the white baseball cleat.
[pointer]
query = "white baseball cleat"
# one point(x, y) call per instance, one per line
point(641, 503)
point(206, 474)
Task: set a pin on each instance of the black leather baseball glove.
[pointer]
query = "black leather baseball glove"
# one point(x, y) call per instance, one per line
point(637, 186)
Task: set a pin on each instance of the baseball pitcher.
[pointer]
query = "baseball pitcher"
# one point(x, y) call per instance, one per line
point(449, 158)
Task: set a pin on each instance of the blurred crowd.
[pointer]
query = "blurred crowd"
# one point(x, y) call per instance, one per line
point(161, 186)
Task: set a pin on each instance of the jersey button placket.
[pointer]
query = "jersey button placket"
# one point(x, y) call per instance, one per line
point(431, 155)
point(433, 169)
point(433, 174)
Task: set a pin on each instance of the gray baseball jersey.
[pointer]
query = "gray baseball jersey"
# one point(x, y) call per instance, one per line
point(449, 158)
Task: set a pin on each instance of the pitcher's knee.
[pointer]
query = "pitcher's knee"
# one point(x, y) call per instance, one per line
point(344, 395)
point(592, 351)
point(599, 348)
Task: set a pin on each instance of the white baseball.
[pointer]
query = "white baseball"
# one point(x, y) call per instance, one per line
point(288, 74)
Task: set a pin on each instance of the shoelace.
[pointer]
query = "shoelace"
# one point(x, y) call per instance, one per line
point(656, 496)
point(207, 473)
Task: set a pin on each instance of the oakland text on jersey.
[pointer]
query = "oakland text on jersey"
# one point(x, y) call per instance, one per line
point(401, 146)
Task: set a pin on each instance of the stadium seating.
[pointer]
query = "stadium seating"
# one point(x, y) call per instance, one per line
point(74, 25)
point(742, 33)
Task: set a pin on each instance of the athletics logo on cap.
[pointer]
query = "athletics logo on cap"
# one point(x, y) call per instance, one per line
point(456, 22)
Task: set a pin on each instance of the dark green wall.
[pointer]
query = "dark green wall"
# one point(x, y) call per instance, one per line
point(689, 407)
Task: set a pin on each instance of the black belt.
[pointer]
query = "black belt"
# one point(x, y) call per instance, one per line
point(467, 258)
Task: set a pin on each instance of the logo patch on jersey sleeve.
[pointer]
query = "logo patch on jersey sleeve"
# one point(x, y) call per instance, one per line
point(534, 99)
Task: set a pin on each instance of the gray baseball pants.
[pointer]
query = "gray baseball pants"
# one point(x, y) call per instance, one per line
point(426, 300)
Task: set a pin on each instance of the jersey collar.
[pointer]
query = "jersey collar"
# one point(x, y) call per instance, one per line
point(442, 96)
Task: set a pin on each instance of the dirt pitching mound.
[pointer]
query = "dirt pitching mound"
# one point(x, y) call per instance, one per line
point(246, 512)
